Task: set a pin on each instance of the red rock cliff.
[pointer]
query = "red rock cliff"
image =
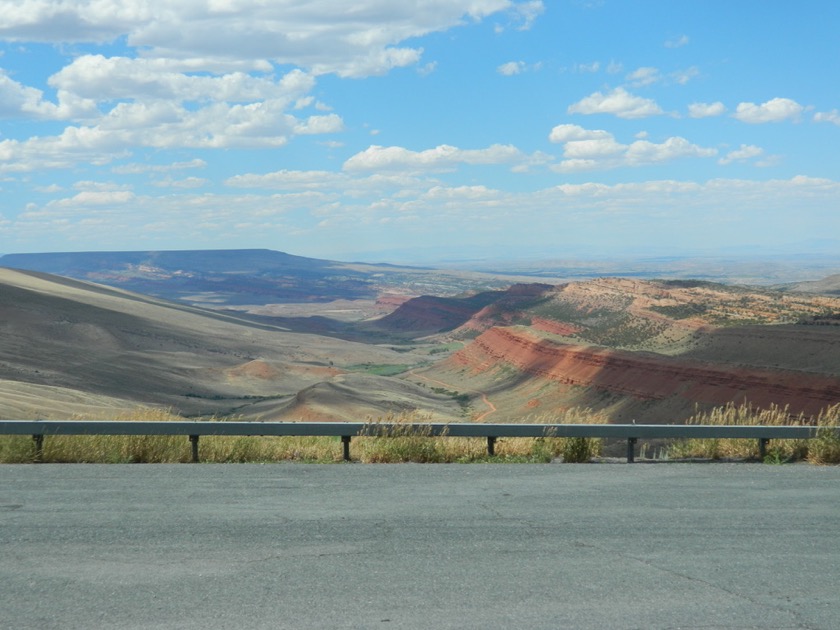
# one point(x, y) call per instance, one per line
point(647, 376)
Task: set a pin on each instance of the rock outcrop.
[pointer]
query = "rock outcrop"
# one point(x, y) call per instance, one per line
point(646, 376)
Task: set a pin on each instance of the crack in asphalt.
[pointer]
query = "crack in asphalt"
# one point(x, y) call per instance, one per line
point(800, 624)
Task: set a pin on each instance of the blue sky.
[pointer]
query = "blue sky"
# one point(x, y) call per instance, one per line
point(422, 131)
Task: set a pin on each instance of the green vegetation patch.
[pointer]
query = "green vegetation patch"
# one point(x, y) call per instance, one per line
point(380, 369)
point(681, 311)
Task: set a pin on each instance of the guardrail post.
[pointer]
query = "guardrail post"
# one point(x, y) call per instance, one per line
point(345, 443)
point(762, 448)
point(631, 445)
point(39, 447)
point(194, 445)
point(491, 445)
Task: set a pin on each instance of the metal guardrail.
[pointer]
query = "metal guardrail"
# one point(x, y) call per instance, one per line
point(39, 429)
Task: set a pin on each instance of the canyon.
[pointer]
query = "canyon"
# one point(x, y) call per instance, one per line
point(481, 349)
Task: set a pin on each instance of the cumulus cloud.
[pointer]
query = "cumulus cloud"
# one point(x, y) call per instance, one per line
point(113, 78)
point(618, 102)
point(774, 110)
point(705, 110)
point(351, 41)
point(511, 68)
point(742, 154)
point(205, 73)
point(136, 169)
point(288, 180)
point(441, 158)
point(568, 133)
point(645, 152)
point(684, 76)
point(186, 183)
point(644, 76)
point(830, 117)
point(526, 13)
point(347, 207)
point(98, 198)
point(591, 149)
point(19, 100)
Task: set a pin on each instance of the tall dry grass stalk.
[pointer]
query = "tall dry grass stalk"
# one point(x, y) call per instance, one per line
point(399, 444)
point(825, 449)
point(166, 449)
point(387, 440)
point(378, 444)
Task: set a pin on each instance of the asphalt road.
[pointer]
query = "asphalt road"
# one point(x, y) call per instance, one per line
point(420, 546)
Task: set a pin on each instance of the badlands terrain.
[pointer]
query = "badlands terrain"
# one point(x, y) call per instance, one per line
point(255, 334)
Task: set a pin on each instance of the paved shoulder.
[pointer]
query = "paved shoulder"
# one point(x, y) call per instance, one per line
point(418, 546)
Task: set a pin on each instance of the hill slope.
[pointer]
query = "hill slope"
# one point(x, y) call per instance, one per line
point(97, 345)
point(644, 350)
point(648, 350)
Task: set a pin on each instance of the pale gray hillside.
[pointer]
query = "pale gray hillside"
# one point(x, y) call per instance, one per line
point(77, 339)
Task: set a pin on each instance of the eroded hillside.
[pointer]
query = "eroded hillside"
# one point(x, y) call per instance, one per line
point(649, 350)
point(73, 347)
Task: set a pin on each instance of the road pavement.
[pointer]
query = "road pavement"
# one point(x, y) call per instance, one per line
point(653, 546)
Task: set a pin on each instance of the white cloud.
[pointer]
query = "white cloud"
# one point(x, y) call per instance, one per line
point(677, 42)
point(742, 154)
point(831, 117)
point(645, 152)
point(590, 67)
point(586, 150)
point(592, 149)
point(619, 102)
point(19, 100)
point(75, 145)
point(427, 69)
point(614, 67)
point(342, 208)
point(204, 77)
point(186, 183)
point(522, 15)
point(705, 110)
point(644, 76)
point(99, 198)
point(134, 169)
point(774, 110)
point(684, 76)
point(112, 78)
point(288, 180)
point(361, 40)
point(511, 68)
point(441, 158)
point(568, 133)
point(164, 125)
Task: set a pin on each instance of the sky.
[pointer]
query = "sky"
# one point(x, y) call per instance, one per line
point(421, 131)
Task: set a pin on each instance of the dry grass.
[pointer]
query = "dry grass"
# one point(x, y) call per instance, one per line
point(825, 449)
point(165, 449)
point(383, 443)
point(379, 444)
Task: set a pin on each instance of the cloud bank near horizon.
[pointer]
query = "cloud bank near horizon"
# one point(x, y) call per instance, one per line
point(329, 128)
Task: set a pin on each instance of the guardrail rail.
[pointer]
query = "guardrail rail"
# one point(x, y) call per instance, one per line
point(40, 429)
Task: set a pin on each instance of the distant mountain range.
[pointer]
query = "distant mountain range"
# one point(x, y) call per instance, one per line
point(247, 276)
